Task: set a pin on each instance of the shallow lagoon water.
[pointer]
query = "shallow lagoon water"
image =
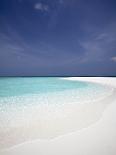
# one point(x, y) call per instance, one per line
point(35, 108)
point(47, 91)
point(21, 86)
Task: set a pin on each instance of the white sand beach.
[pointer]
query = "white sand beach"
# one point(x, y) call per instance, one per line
point(84, 130)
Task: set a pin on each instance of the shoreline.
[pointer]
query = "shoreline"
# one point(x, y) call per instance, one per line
point(106, 81)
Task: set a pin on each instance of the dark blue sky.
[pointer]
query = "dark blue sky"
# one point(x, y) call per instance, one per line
point(58, 37)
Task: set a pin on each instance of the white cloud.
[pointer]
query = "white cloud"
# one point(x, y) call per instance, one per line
point(38, 6)
point(99, 45)
point(113, 59)
point(41, 7)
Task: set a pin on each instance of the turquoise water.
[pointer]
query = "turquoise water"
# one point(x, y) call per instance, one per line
point(21, 86)
point(19, 92)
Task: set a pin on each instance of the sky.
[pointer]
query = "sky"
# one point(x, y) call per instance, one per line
point(57, 37)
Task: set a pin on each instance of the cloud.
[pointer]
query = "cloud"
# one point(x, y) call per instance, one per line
point(41, 7)
point(99, 45)
point(113, 59)
point(15, 48)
